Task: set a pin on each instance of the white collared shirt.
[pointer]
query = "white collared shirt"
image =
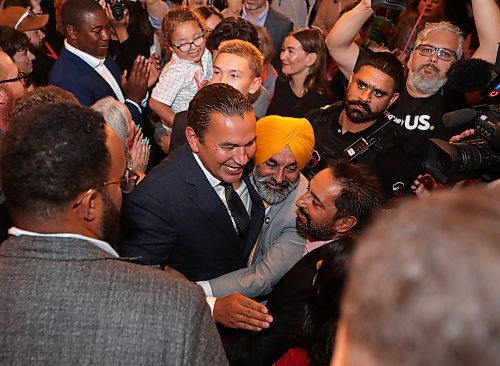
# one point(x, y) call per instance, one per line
point(99, 67)
point(14, 231)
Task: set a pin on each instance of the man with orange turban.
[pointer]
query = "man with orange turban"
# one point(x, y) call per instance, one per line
point(284, 146)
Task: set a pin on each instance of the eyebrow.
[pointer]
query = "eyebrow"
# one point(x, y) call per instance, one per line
point(381, 91)
point(316, 198)
point(228, 143)
point(272, 160)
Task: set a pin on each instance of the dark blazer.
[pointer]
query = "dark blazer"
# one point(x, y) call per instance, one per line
point(175, 217)
point(73, 74)
point(278, 26)
point(63, 301)
point(286, 304)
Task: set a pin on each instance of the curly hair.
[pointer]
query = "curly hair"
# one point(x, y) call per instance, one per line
point(51, 154)
point(178, 15)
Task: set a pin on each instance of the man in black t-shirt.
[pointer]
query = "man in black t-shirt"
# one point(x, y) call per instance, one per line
point(417, 115)
point(375, 86)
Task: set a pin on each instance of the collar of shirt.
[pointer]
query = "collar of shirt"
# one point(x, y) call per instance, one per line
point(214, 182)
point(92, 61)
point(311, 245)
point(260, 20)
point(98, 243)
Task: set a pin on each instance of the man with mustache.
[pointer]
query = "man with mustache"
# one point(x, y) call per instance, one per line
point(339, 201)
point(375, 85)
point(283, 147)
point(417, 115)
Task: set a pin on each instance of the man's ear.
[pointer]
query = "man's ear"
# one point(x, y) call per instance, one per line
point(394, 97)
point(192, 139)
point(88, 208)
point(255, 86)
point(345, 224)
point(71, 32)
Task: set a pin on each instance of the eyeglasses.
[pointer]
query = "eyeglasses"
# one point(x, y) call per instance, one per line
point(442, 53)
point(21, 78)
point(127, 184)
point(186, 47)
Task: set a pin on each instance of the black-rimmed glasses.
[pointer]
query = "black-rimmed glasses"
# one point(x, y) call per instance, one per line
point(127, 184)
point(186, 47)
point(442, 53)
point(21, 78)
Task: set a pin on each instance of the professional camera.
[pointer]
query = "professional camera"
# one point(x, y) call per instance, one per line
point(475, 158)
point(117, 9)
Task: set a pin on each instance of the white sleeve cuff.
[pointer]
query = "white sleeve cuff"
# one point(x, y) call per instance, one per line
point(135, 104)
point(211, 303)
point(205, 285)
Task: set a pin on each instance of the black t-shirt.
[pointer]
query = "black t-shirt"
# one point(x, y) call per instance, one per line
point(389, 163)
point(286, 103)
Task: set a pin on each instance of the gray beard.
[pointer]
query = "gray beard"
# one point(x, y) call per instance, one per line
point(269, 195)
point(423, 84)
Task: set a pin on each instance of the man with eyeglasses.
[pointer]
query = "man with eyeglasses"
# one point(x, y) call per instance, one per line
point(61, 276)
point(418, 113)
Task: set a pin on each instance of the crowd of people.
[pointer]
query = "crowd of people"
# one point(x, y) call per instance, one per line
point(242, 182)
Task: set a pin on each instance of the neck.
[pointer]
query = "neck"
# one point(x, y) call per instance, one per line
point(254, 13)
point(349, 126)
point(297, 83)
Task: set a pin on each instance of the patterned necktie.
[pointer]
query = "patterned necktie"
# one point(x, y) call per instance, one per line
point(237, 208)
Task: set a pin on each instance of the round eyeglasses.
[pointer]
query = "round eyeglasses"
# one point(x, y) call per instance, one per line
point(442, 53)
point(186, 47)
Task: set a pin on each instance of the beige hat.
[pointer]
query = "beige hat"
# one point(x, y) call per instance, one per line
point(22, 19)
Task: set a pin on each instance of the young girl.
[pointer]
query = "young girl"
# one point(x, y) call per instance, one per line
point(189, 68)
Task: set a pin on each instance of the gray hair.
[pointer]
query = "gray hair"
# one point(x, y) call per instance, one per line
point(446, 27)
point(116, 116)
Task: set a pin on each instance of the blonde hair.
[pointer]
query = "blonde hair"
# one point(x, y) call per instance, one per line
point(245, 50)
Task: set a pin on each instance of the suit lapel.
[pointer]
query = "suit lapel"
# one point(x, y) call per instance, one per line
point(204, 196)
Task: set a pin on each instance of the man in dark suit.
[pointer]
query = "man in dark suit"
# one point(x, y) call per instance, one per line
point(339, 201)
point(197, 211)
point(65, 296)
point(260, 13)
point(84, 67)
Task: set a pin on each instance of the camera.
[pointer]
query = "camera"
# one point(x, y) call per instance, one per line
point(391, 4)
point(475, 158)
point(117, 9)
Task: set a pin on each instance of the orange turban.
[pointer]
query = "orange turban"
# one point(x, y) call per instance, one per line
point(276, 132)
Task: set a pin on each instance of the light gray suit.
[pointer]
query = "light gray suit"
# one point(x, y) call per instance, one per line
point(277, 249)
point(63, 301)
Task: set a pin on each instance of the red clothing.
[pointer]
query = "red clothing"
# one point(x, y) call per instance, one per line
point(294, 357)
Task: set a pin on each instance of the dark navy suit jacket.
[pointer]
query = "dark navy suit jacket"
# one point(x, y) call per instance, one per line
point(174, 217)
point(73, 74)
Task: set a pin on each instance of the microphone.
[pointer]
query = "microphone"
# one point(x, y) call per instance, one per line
point(459, 117)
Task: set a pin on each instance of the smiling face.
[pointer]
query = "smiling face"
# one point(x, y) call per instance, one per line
point(428, 73)
point(227, 146)
point(186, 32)
point(294, 60)
point(369, 94)
point(277, 176)
point(24, 61)
point(434, 9)
point(92, 34)
point(235, 71)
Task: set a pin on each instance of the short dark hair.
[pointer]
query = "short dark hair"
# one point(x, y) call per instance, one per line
point(50, 155)
point(215, 98)
point(72, 11)
point(49, 94)
point(233, 28)
point(12, 41)
point(361, 193)
point(388, 64)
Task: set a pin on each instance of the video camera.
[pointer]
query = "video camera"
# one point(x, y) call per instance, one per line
point(478, 157)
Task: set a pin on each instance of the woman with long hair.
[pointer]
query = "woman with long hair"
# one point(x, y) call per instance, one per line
point(302, 85)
